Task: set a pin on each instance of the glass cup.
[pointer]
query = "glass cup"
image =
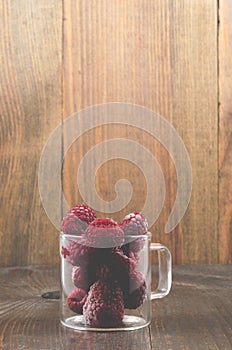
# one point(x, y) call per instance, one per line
point(109, 288)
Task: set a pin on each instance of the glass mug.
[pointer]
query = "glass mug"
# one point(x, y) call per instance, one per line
point(109, 289)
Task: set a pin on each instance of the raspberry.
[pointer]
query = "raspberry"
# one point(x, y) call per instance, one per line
point(121, 266)
point(117, 268)
point(104, 305)
point(130, 254)
point(104, 273)
point(104, 233)
point(84, 213)
point(71, 225)
point(134, 256)
point(134, 246)
point(131, 249)
point(135, 291)
point(76, 300)
point(134, 224)
point(83, 277)
point(79, 254)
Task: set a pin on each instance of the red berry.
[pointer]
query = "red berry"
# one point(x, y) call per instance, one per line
point(134, 256)
point(134, 224)
point(79, 254)
point(104, 305)
point(104, 233)
point(117, 267)
point(135, 291)
point(76, 300)
point(83, 277)
point(104, 273)
point(121, 266)
point(134, 246)
point(84, 213)
point(71, 225)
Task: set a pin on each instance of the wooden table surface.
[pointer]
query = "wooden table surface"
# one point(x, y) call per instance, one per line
point(196, 315)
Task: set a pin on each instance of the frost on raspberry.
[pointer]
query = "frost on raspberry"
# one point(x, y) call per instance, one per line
point(134, 245)
point(134, 224)
point(85, 256)
point(76, 300)
point(80, 254)
point(83, 277)
point(84, 213)
point(104, 233)
point(104, 305)
point(72, 225)
point(77, 220)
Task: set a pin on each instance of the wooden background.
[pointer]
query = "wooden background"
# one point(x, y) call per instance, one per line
point(172, 56)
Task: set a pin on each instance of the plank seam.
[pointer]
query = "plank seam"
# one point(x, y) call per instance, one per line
point(62, 106)
point(218, 122)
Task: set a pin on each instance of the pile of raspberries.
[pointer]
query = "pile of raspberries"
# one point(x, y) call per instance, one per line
point(105, 262)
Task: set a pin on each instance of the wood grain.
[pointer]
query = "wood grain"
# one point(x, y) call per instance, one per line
point(161, 55)
point(225, 132)
point(29, 321)
point(30, 108)
point(196, 313)
point(165, 55)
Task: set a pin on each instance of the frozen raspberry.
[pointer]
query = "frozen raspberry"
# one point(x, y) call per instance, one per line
point(104, 305)
point(104, 233)
point(121, 266)
point(134, 224)
point(128, 251)
point(135, 291)
point(117, 267)
point(83, 277)
point(79, 254)
point(71, 225)
point(104, 273)
point(84, 213)
point(76, 300)
point(134, 246)
point(77, 219)
point(134, 256)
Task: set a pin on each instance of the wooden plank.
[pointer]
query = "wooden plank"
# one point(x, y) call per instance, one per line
point(195, 108)
point(225, 132)
point(196, 313)
point(162, 55)
point(29, 321)
point(30, 108)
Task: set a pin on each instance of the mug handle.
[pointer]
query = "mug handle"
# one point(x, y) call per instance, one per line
point(165, 271)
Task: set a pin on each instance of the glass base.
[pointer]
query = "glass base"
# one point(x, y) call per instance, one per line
point(130, 323)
